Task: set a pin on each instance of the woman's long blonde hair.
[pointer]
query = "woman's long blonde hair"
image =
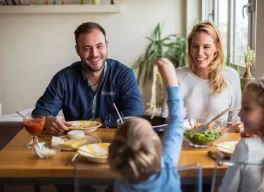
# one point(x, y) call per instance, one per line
point(216, 80)
point(135, 152)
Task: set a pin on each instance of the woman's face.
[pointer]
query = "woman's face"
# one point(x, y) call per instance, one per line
point(252, 114)
point(203, 50)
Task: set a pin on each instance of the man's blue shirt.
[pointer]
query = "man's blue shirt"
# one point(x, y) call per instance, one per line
point(69, 91)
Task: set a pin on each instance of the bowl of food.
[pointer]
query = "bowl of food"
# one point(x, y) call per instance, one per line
point(86, 126)
point(96, 152)
point(203, 135)
point(158, 123)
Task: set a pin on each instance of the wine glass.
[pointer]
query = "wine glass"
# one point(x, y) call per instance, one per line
point(35, 127)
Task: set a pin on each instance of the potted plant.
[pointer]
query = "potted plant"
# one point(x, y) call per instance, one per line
point(172, 47)
point(96, 2)
point(249, 58)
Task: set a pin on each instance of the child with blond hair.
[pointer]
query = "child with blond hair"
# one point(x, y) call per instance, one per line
point(143, 161)
point(245, 174)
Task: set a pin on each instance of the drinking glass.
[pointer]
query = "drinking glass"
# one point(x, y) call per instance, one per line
point(34, 126)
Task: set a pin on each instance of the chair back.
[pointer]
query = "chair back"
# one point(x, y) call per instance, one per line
point(191, 176)
point(250, 176)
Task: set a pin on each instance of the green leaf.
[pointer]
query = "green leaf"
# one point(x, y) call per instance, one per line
point(171, 46)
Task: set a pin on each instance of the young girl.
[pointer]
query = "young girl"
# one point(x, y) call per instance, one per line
point(245, 175)
point(137, 154)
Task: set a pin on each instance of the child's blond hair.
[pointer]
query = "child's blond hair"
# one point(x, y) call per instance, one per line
point(135, 152)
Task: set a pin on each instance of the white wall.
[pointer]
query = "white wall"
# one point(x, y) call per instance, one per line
point(33, 47)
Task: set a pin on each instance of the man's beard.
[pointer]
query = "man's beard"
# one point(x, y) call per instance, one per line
point(88, 68)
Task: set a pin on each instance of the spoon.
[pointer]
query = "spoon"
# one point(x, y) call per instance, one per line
point(118, 113)
point(20, 114)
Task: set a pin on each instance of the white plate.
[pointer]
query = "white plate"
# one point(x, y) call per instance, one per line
point(227, 147)
point(96, 152)
point(86, 126)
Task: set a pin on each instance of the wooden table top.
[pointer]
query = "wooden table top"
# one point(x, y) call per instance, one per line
point(18, 161)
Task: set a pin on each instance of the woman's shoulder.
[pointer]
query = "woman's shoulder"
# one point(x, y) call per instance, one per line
point(231, 76)
point(184, 69)
point(230, 72)
point(183, 72)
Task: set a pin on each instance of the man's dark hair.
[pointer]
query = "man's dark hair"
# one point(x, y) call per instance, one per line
point(87, 28)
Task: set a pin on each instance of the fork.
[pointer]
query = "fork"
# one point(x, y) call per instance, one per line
point(207, 125)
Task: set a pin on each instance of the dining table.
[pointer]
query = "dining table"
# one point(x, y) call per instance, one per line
point(18, 163)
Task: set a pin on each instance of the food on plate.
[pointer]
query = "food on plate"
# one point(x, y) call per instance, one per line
point(202, 138)
point(83, 124)
point(96, 152)
point(76, 134)
point(56, 141)
point(227, 147)
point(203, 126)
point(75, 143)
point(86, 126)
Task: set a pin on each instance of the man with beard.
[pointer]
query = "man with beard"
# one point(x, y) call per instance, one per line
point(88, 88)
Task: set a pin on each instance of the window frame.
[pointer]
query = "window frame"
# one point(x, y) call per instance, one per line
point(210, 11)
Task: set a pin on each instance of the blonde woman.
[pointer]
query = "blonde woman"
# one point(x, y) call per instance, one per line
point(208, 87)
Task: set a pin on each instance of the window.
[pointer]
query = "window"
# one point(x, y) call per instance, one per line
point(236, 22)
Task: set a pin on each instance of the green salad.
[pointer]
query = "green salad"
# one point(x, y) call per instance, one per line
point(202, 138)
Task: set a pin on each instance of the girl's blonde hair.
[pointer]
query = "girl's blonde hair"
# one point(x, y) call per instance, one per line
point(135, 151)
point(256, 88)
point(216, 80)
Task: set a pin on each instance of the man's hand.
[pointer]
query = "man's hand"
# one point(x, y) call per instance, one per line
point(167, 72)
point(55, 126)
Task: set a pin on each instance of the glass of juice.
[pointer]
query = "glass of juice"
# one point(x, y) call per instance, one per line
point(34, 126)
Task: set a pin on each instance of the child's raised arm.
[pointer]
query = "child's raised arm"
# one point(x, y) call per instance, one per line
point(167, 72)
point(173, 135)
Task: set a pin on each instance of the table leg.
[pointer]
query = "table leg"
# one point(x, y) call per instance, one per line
point(37, 188)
